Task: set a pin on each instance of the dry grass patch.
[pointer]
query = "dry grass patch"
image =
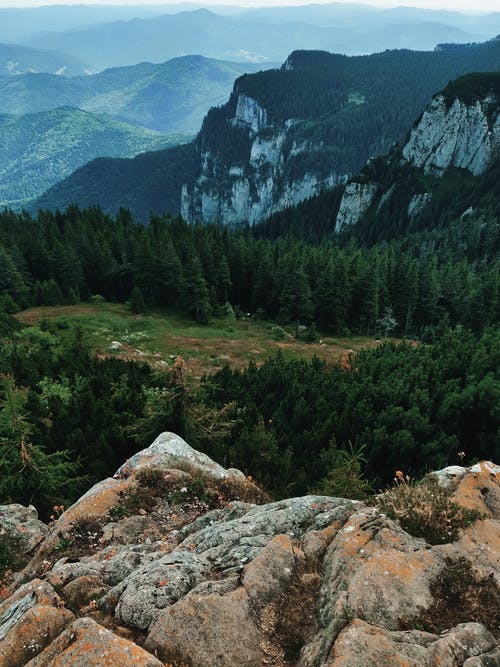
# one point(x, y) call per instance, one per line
point(460, 595)
point(426, 510)
point(194, 491)
point(290, 622)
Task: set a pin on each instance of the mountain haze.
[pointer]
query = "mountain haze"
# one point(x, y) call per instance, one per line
point(262, 35)
point(16, 60)
point(42, 148)
point(170, 97)
point(283, 136)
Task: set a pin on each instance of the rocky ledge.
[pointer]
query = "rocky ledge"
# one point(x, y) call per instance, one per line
point(177, 561)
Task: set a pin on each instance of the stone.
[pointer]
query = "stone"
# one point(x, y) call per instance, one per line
point(356, 201)
point(269, 573)
point(454, 135)
point(111, 565)
point(171, 451)
point(479, 489)
point(155, 586)
point(208, 630)
point(85, 643)
point(232, 544)
point(372, 570)
point(490, 659)
point(363, 645)
point(21, 524)
point(250, 113)
point(131, 530)
point(480, 544)
point(82, 590)
point(29, 620)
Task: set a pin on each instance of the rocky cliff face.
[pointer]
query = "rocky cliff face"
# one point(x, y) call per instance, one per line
point(260, 181)
point(177, 561)
point(452, 132)
point(456, 134)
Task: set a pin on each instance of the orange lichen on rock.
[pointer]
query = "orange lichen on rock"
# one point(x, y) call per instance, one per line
point(34, 616)
point(479, 489)
point(85, 643)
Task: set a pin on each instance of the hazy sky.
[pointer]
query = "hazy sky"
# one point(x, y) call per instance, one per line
point(464, 5)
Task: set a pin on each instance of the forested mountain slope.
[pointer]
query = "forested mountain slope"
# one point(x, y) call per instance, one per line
point(283, 136)
point(170, 97)
point(41, 148)
point(16, 60)
point(443, 180)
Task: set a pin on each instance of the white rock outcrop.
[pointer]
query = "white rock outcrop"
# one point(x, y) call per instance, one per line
point(250, 113)
point(454, 135)
point(356, 200)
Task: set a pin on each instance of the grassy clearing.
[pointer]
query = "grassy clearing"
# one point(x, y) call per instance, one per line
point(158, 336)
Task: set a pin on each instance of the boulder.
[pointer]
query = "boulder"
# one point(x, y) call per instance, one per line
point(375, 571)
point(208, 630)
point(269, 573)
point(29, 620)
point(155, 586)
point(82, 590)
point(171, 451)
point(233, 543)
point(21, 525)
point(85, 643)
point(490, 659)
point(112, 565)
point(480, 544)
point(363, 645)
point(477, 487)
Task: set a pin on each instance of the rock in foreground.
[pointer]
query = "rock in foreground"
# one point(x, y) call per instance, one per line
point(177, 561)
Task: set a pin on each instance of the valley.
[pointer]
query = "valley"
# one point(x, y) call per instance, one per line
point(249, 335)
point(159, 337)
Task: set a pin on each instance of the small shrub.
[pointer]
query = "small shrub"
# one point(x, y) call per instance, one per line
point(228, 312)
point(97, 298)
point(345, 479)
point(198, 492)
point(278, 333)
point(460, 595)
point(63, 544)
point(295, 610)
point(426, 510)
point(118, 512)
point(85, 533)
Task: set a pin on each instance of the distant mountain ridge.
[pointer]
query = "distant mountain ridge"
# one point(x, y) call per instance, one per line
point(283, 136)
point(260, 36)
point(170, 97)
point(16, 60)
point(40, 149)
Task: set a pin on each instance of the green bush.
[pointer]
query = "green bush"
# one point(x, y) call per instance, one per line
point(426, 510)
point(278, 333)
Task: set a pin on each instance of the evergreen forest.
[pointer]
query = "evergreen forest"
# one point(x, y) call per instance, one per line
point(69, 418)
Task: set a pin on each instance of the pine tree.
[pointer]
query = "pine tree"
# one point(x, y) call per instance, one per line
point(28, 474)
point(136, 301)
point(195, 294)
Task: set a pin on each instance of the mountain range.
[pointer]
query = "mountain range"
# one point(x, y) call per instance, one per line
point(170, 97)
point(283, 136)
point(50, 125)
point(42, 148)
point(16, 60)
point(125, 36)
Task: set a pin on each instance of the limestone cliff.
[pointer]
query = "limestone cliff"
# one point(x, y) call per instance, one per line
point(177, 561)
point(263, 177)
point(456, 134)
point(459, 129)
